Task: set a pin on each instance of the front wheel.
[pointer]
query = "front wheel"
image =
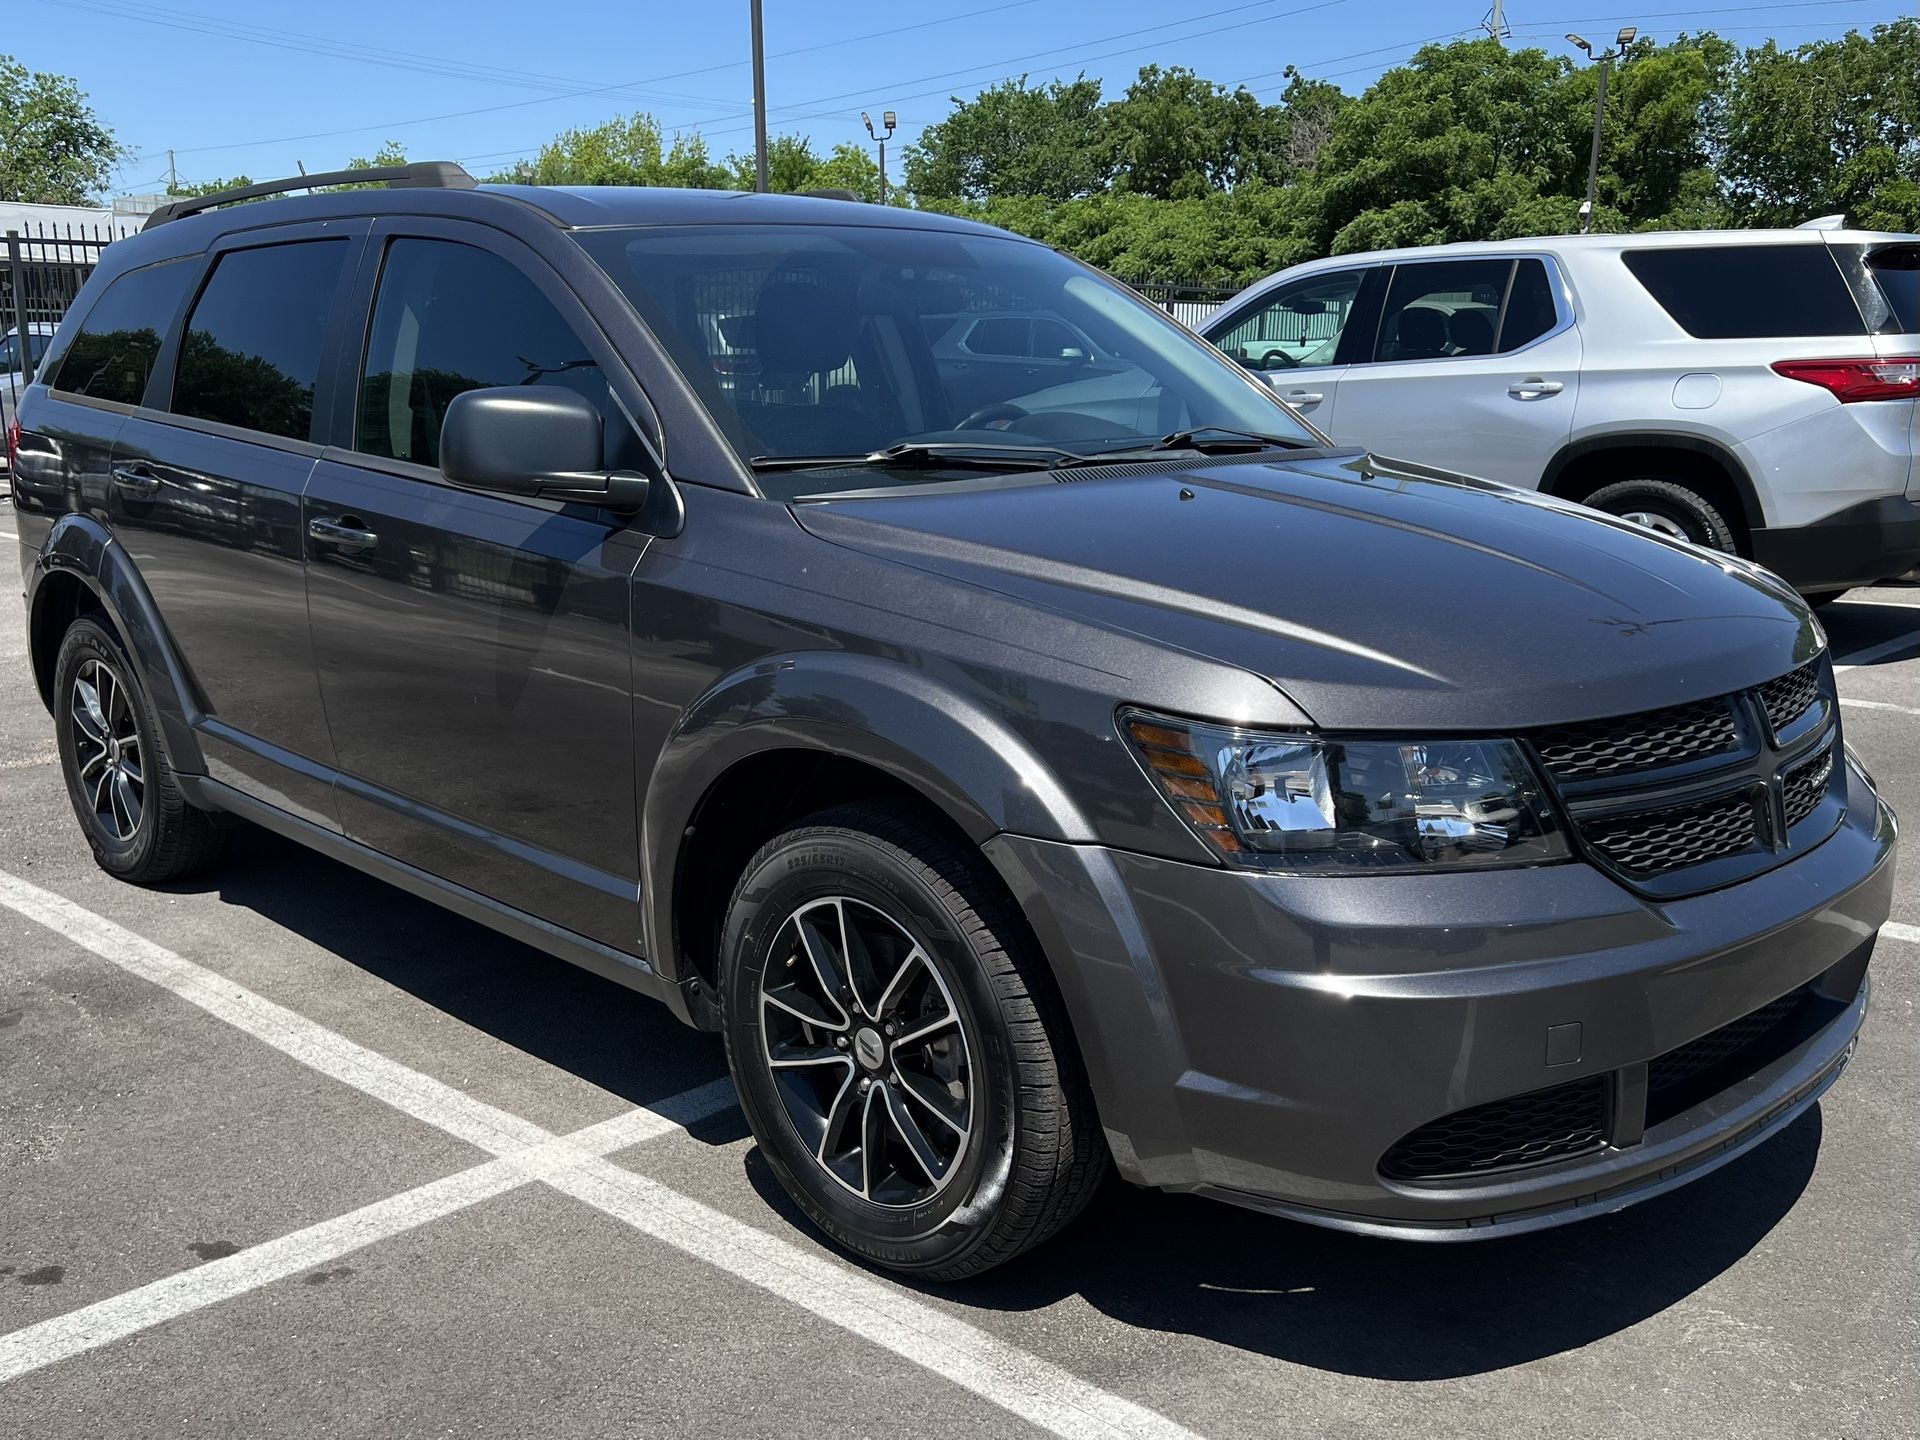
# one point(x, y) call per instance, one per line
point(898, 1050)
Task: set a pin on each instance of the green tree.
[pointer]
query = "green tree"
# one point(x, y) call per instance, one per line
point(793, 167)
point(1013, 139)
point(1175, 135)
point(627, 150)
point(53, 150)
point(1833, 126)
point(208, 187)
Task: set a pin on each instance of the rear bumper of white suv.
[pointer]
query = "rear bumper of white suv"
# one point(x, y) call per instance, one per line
point(1872, 541)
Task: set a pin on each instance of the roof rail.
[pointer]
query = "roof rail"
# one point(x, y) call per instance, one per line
point(421, 175)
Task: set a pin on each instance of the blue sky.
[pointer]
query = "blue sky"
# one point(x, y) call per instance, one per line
point(256, 87)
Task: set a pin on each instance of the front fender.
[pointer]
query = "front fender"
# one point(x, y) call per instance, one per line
point(82, 549)
point(951, 748)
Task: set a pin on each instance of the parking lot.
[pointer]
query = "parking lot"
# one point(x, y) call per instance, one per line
point(286, 1151)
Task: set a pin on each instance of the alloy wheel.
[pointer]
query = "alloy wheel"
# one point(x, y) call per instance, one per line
point(1655, 521)
point(106, 747)
point(867, 1051)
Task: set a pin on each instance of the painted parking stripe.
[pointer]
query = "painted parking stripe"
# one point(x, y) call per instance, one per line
point(1853, 704)
point(1894, 930)
point(93, 1326)
point(1853, 661)
point(998, 1372)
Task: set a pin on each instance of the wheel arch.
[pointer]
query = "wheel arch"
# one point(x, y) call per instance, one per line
point(787, 737)
point(1583, 466)
point(81, 570)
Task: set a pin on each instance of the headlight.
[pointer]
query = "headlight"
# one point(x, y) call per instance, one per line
point(1300, 802)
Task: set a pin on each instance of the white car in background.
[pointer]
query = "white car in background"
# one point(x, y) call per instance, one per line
point(1755, 391)
point(39, 336)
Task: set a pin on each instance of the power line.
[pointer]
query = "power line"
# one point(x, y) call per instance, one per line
point(624, 85)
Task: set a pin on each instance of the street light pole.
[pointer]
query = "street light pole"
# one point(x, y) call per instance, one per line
point(759, 103)
point(880, 138)
point(1605, 61)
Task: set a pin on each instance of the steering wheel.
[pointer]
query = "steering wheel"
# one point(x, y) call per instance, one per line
point(1279, 360)
point(983, 418)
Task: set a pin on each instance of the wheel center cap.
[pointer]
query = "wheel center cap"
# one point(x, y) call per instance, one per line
point(868, 1048)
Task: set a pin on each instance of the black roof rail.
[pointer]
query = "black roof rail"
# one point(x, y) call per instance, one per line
point(832, 192)
point(421, 175)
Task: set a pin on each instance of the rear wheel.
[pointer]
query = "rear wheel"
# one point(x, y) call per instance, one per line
point(138, 825)
point(897, 1048)
point(1667, 507)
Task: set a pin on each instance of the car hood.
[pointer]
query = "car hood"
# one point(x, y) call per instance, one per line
point(1376, 595)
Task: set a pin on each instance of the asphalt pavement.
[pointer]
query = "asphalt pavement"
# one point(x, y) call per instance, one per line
point(287, 1152)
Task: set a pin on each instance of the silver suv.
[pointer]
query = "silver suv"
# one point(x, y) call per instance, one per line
point(1755, 391)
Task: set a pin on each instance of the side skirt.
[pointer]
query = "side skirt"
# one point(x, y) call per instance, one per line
point(628, 970)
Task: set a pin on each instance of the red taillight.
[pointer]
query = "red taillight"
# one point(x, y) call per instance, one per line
point(13, 444)
point(1850, 380)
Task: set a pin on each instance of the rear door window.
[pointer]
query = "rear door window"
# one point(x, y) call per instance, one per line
point(1443, 310)
point(251, 352)
point(1001, 337)
point(1750, 292)
point(113, 353)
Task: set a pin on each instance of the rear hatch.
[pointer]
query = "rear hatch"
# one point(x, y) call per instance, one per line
point(1888, 282)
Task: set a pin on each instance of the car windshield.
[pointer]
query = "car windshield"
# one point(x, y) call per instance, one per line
point(811, 343)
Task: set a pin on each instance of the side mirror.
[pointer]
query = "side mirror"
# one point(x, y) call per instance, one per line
point(1074, 355)
point(521, 440)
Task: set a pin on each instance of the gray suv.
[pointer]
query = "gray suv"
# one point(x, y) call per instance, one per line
point(1018, 789)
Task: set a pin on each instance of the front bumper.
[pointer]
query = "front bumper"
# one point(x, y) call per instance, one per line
point(1861, 545)
point(1268, 1040)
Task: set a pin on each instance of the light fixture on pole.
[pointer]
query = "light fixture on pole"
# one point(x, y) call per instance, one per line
point(1605, 61)
point(880, 138)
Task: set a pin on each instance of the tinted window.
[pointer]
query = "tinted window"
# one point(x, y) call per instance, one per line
point(10, 352)
point(1747, 292)
point(1530, 313)
point(251, 352)
point(1000, 337)
point(113, 353)
point(1297, 324)
point(452, 318)
point(1051, 340)
point(1897, 272)
point(1444, 310)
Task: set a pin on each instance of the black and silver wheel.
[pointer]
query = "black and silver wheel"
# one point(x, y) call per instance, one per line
point(1666, 507)
point(899, 1055)
point(137, 824)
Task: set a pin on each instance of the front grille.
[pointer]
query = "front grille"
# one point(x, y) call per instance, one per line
point(1638, 742)
point(1786, 699)
point(1656, 841)
point(1547, 1125)
point(1700, 1069)
point(1803, 786)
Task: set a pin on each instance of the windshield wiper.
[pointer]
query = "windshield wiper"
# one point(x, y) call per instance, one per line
point(933, 453)
point(1205, 439)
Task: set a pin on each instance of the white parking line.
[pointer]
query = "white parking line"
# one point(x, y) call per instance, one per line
point(1842, 663)
point(1894, 930)
point(1853, 704)
point(1006, 1376)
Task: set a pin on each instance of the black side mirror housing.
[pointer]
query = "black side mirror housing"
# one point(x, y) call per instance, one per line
point(533, 441)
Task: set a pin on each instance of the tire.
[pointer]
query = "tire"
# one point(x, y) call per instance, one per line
point(1026, 1153)
point(1669, 507)
point(138, 825)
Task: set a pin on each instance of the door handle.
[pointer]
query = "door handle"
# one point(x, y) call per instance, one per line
point(1304, 398)
point(346, 532)
point(1534, 388)
point(137, 481)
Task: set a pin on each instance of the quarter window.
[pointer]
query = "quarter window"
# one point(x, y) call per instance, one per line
point(1001, 337)
point(452, 318)
point(1298, 325)
point(1530, 311)
point(1750, 292)
point(113, 353)
point(251, 352)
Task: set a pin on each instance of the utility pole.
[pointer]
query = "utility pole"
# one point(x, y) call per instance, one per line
point(173, 176)
point(880, 138)
point(1605, 61)
point(1495, 22)
point(759, 103)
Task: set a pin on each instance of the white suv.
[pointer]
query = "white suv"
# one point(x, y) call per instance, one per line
point(1757, 391)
